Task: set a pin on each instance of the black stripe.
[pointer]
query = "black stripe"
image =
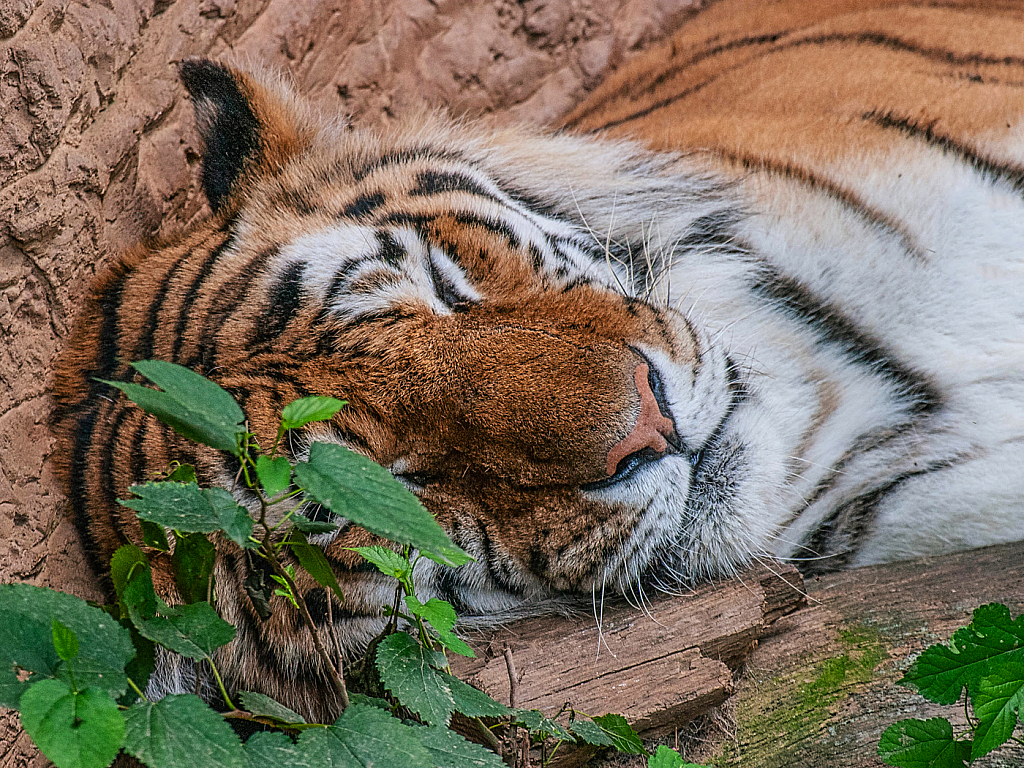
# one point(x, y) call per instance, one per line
point(405, 156)
point(374, 281)
point(421, 222)
point(838, 537)
point(195, 290)
point(927, 133)
point(391, 252)
point(364, 205)
point(144, 347)
point(445, 289)
point(861, 38)
point(786, 294)
point(437, 182)
point(284, 301)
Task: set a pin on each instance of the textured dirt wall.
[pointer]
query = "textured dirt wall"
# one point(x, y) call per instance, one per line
point(97, 149)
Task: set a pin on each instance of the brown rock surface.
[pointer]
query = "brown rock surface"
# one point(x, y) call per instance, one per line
point(97, 150)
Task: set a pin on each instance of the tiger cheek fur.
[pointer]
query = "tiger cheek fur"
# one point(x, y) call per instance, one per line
point(599, 366)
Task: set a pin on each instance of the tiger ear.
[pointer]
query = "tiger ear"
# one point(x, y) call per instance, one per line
point(246, 125)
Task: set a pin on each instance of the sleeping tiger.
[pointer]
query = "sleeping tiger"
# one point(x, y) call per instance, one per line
point(761, 296)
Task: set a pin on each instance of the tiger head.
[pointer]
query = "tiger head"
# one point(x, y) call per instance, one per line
point(500, 355)
point(491, 304)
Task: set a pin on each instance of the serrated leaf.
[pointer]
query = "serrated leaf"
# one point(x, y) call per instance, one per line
point(190, 404)
point(180, 731)
point(193, 560)
point(407, 670)
point(312, 558)
point(388, 562)
point(364, 737)
point(590, 732)
point(75, 730)
point(997, 701)
point(442, 618)
point(275, 474)
point(105, 646)
point(273, 749)
point(264, 706)
point(370, 701)
point(65, 641)
point(301, 412)
point(923, 744)
point(187, 508)
point(472, 702)
point(194, 631)
point(621, 733)
point(449, 750)
point(354, 487)
point(941, 672)
point(306, 525)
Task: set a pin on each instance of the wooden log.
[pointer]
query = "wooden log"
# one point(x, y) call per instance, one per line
point(659, 667)
point(817, 686)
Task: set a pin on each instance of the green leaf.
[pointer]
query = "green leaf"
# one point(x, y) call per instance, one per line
point(190, 404)
point(275, 474)
point(64, 641)
point(267, 749)
point(75, 730)
point(941, 671)
point(407, 670)
point(622, 735)
point(590, 732)
point(301, 412)
point(442, 618)
point(311, 557)
point(154, 536)
point(923, 744)
point(193, 566)
point(105, 646)
point(666, 757)
point(180, 731)
point(449, 750)
point(996, 704)
point(123, 565)
point(364, 737)
point(306, 525)
point(264, 706)
point(184, 507)
point(537, 724)
point(194, 631)
point(182, 473)
point(472, 702)
point(25, 646)
point(354, 487)
point(389, 563)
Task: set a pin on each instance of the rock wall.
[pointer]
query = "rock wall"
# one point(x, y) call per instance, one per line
point(97, 150)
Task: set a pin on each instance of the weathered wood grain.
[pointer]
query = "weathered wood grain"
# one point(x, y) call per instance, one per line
point(659, 668)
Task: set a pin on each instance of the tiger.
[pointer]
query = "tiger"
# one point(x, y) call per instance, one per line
point(758, 296)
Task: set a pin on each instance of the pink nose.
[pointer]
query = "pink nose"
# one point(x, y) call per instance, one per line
point(651, 427)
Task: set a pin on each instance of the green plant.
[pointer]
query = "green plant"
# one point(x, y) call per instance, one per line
point(77, 672)
point(987, 659)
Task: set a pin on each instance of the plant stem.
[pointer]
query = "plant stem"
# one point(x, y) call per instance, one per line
point(223, 690)
point(136, 689)
point(335, 673)
point(488, 736)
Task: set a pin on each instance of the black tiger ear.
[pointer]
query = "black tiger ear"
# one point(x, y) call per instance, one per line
point(245, 125)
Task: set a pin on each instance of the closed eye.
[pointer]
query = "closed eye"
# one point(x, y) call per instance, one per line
point(416, 481)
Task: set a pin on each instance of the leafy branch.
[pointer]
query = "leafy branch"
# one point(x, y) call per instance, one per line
point(78, 672)
point(985, 658)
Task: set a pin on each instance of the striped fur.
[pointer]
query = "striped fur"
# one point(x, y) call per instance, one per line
point(803, 334)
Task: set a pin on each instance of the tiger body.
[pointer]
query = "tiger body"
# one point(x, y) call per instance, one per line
point(794, 329)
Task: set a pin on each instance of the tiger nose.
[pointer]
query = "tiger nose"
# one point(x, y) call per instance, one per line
point(652, 430)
